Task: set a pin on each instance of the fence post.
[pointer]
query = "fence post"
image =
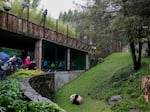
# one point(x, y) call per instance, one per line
point(67, 34)
point(56, 30)
point(28, 11)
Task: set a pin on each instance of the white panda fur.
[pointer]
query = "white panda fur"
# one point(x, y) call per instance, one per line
point(76, 99)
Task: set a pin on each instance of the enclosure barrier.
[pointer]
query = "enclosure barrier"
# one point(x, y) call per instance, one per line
point(40, 88)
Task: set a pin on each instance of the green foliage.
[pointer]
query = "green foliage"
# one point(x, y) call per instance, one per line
point(35, 15)
point(115, 76)
point(12, 98)
point(51, 23)
point(42, 107)
point(10, 52)
point(127, 83)
point(35, 3)
point(22, 73)
point(110, 86)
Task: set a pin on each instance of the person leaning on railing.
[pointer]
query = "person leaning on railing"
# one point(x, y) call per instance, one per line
point(43, 19)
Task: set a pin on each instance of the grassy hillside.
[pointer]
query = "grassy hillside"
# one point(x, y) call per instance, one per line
point(88, 81)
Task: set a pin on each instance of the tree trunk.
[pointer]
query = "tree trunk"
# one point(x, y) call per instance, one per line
point(148, 52)
point(136, 63)
point(132, 47)
point(139, 57)
point(139, 50)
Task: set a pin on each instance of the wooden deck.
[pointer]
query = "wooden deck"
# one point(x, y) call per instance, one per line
point(21, 26)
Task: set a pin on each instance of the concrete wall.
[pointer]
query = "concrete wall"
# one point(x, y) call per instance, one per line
point(40, 88)
point(44, 85)
point(62, 78)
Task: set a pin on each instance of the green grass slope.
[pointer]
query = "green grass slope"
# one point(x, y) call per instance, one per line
point(88, 81)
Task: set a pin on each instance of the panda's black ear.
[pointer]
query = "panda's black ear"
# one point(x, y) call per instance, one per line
point(76, 96)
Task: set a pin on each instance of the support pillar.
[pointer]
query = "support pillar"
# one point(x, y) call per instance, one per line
point(87, 61)
point(38, 53)
point(68, 59)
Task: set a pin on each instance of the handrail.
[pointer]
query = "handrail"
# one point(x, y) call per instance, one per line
point(19, 25)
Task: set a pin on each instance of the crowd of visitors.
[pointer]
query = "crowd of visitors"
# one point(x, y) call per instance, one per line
point(50, 65)
point(14, 63)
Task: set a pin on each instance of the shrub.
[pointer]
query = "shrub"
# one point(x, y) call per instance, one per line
point(127, 83)
point(13, 100)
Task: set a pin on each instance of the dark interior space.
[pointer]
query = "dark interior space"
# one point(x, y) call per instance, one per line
point(16, 41)
point(55, 53)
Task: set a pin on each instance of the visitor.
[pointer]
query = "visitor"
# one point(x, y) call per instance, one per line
point(46, 66)
point(43, 19)
point(61, 65)
point(32, 65)
point(12, 62)
point(2, 70)
point(19, 63)
point(24, 4)
point(53, 66)
point(7, 6)
point(27, 62)
point(4, 66)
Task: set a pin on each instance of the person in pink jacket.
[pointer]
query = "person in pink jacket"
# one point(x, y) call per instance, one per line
point(27, 62)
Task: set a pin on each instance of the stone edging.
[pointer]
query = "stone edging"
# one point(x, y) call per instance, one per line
point(32, 94)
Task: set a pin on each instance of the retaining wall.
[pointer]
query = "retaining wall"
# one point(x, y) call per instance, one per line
point(42, 87)
point(62, 78)
point(39, 82)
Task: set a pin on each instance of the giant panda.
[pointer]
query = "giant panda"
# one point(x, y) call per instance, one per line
point(76, 99)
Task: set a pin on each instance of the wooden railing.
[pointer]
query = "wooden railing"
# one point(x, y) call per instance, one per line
point(22, 26)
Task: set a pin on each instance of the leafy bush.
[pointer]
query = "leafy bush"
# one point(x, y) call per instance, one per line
point(127, 83)
point(110, 87)
point(42, 107)
point(13, 100)
point(11, 96)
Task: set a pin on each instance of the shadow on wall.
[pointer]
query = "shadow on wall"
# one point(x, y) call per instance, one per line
point(44, 85)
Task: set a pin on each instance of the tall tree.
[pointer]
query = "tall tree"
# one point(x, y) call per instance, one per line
point(132, 21)
point(95, 25)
